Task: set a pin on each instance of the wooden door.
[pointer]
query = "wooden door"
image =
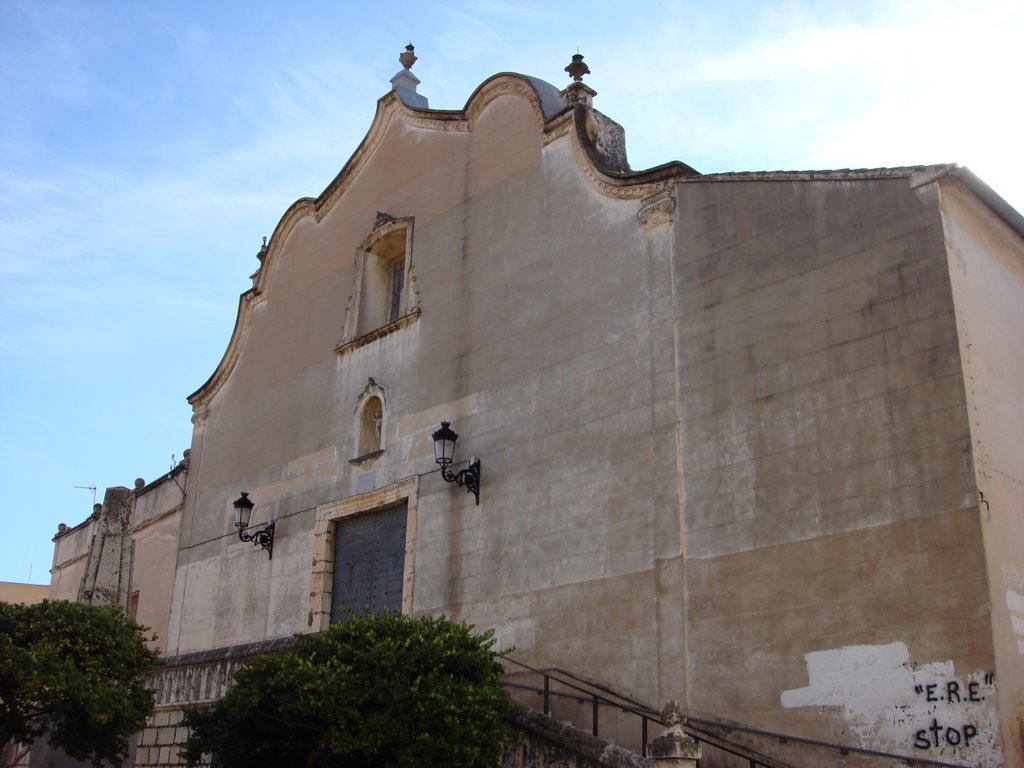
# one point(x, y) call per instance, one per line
point(369, 563)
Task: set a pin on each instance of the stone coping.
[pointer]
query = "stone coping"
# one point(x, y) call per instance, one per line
point(231, 652)
point(565, 736)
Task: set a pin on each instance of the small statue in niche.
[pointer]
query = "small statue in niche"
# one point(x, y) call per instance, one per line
point(371, 427)
point(377, 417)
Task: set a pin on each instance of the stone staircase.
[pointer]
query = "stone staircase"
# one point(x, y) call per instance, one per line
point(540, 741)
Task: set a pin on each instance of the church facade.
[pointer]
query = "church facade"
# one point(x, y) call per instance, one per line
point(749, 441)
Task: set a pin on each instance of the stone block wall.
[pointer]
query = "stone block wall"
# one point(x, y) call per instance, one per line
point(160, 742)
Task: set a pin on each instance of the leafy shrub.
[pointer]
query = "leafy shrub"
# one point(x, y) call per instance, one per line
point(75, 674)
point(371, 691)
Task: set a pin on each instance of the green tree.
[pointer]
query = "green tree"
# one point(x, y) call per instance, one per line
point(74, 674)
point(371, 691)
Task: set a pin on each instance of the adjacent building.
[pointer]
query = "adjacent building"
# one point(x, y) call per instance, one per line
point(26, 594)
point(749, 441)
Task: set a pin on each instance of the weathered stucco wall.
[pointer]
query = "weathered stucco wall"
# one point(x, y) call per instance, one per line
point(565, 380)
point(524, 342)
point(155, 536)
point(834, 562)
point(986, 266)
point(70, 550)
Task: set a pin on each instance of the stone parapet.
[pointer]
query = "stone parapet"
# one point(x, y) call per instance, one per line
point(204, 677)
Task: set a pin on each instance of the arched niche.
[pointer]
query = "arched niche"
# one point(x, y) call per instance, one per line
point(369, 427)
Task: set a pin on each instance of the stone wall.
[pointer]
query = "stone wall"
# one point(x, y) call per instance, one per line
point(159, 744)
point(186, 681)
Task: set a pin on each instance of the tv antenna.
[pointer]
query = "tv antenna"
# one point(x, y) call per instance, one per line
point(89, 488)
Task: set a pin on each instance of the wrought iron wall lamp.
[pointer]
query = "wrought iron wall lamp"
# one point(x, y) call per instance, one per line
point(261, 538)
point(444, 451)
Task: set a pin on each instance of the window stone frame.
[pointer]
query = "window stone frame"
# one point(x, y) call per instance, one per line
point(360, 330)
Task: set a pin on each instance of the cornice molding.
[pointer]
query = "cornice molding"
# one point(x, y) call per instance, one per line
point(378, 333)
point(385, 225)
point(621, 185)
point(435, 120)
point(200, 399)
point(503, 85)
point(656, 210)
point(243, 319)
point(387, 107)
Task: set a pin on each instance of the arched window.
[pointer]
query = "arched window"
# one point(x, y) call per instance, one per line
point(383, 296)
point(384, 266)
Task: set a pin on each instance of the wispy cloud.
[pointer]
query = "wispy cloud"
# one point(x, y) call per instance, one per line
point(808, 85)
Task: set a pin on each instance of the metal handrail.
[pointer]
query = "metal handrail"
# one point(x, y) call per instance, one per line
point(843, 748)
point(624, 704)
point(648, 714)
point(594, 700)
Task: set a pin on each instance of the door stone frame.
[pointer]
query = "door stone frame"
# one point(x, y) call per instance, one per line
point(327, 517)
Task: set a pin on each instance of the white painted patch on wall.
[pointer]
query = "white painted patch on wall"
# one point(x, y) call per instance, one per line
point(856, 676)
point(1015, 602)
point(890, 704)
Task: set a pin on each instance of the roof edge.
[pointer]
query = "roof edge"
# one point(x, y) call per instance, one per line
point(839, 174)
point(996, 203)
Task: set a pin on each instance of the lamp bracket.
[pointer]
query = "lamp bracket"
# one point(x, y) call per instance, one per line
point(261, 538)
point(468, 478)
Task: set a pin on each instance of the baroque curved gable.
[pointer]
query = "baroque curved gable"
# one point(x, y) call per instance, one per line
point(598, 146)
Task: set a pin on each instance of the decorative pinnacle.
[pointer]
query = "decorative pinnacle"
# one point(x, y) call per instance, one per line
point(408, 58)
point(577, 68)
point(263, 251)
point(674, 716)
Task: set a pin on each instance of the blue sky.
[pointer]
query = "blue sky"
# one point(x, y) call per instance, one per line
point(147, 147)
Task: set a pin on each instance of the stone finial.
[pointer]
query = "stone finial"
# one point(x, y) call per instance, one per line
point(405, 82)
point(578, 92)
point(673, 715)
point(408, 58)
point(262, 253)
point(675, 748)
point(577, 68)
